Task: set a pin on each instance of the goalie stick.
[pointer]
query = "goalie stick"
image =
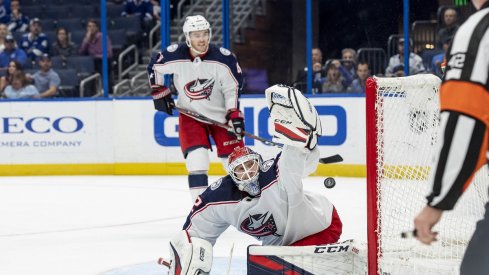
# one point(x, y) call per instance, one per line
point(326, 160)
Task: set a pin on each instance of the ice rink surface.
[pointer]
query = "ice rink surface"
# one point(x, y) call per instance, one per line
point(122, 224)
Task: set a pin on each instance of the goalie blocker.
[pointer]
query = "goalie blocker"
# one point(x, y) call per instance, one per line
point(347, 257)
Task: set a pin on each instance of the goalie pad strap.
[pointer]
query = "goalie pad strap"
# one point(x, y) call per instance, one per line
point(279, 128)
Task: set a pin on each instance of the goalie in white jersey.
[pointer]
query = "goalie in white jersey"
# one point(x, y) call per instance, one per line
point(208, 80)
point(264, 199)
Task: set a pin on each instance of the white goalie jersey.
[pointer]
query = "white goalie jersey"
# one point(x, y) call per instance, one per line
point(282, 214)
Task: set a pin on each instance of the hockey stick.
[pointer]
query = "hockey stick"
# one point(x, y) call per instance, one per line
point(222, 125)
point(326, 160)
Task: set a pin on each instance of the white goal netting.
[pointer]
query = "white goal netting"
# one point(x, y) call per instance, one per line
point(406, 118)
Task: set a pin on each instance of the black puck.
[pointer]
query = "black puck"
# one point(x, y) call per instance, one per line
point(329, 183)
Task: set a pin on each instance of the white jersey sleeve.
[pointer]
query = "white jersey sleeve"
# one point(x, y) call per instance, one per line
point(304, 208)
point(294, 165)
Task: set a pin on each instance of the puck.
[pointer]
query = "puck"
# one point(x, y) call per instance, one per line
point(329, 183)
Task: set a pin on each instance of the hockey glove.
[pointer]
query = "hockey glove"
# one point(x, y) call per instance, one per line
point(236, 120)
point(162, 99)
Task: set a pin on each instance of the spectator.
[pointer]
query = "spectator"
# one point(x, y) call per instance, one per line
point(439, 58)
point(3, 34)
point(35, 43)
point(11, 52)
point(46, 80)
point(317, 78)
point(16, 21)
point(300, 82)
point(359, 84)
point(141, 8)
point(156, 9)
point(92, 45)
point(63, 46)
point(3, 13)
point(415, 61)
point(398, 71)
point(20, 88)
point(334, 80)
point(13, 67)
point(449, 27)
point(347, 65)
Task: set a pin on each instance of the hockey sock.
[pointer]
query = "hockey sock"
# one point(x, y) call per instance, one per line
point(197, 184)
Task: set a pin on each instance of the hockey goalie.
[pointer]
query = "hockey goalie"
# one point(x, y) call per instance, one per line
point(264, 199)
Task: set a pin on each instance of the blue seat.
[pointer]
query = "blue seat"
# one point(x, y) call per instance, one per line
point(118, 38)
point(77, 37)
point(71, 24)
point(33, 11)
point(84, 11)
point(114, 10)
point(55, 12)
point(132, 24)
point(29, 3)
point(58, 63)
point(70, 82)
point(48, 25)
point(84, 65)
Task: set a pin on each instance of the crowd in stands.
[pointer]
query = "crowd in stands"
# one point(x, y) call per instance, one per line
point(348, 74)
point(336, 75)
point(43, 42)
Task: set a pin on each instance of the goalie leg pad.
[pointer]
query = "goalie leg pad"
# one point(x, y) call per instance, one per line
point(295, 119)
point(190, 255)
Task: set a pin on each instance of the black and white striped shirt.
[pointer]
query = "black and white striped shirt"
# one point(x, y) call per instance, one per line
point(464, 100)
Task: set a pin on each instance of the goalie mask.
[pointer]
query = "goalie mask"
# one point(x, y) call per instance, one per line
point(244, 168)
point(196, 23)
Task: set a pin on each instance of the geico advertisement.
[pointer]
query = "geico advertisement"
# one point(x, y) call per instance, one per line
point(342, 119)
point(131, 131)
point(60, 131)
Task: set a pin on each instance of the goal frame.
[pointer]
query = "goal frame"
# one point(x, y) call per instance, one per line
point(371, 141)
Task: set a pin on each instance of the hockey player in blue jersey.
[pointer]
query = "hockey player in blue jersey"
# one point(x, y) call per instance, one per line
point(264, 199)
point(208, 80)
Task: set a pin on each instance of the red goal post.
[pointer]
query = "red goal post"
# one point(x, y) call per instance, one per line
point(402, 122)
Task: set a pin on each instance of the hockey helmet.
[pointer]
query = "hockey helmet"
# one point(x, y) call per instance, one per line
point(244, 168)
point(195, 23)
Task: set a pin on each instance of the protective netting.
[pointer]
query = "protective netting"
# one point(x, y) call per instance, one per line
point(407, 129)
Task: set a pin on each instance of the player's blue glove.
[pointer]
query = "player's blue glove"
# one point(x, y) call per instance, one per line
point(236, 120)
point(162, 99)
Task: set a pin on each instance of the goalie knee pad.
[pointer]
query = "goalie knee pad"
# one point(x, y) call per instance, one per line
point(190, 255)
point(295, 119)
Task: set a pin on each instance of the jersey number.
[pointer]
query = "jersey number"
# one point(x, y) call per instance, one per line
point(457, 61)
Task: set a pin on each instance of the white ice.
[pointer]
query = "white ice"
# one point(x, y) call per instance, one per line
point(122, 224)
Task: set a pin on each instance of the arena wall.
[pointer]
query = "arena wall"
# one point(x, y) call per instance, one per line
point(128, 137)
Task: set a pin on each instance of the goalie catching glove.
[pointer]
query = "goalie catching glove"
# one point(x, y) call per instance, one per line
point(295, 119)
point(189, 255)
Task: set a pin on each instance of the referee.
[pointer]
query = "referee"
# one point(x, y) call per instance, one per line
point(464, 100)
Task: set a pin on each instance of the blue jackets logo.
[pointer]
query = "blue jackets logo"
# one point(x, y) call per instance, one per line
point(166, 127)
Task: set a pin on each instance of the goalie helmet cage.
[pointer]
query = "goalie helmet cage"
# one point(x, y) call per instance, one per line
point(402, 130)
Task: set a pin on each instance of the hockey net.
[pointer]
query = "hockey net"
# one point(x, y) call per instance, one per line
point(402, 130)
